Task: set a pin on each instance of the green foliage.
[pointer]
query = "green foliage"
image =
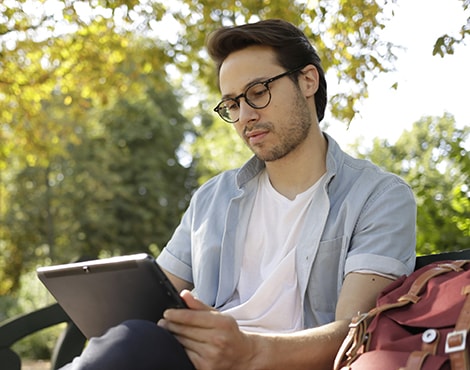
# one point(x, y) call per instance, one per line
point(91, 166)
point(445, 44)
point(218, 149)
point(114, 191)
point(434, 159)
point(31, 296)
point(133, 189)
point(40, 345)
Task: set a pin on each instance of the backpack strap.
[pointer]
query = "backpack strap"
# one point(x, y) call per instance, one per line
point(415, 360)
point(456, 341)
point(430, 342)
point(353, 342)
point(419, 284)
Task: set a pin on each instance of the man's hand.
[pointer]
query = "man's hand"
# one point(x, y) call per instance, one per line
point(211, 339)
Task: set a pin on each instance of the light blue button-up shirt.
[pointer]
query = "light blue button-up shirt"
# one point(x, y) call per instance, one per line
point(361, 219)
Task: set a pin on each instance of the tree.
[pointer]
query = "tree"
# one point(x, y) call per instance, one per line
point(102, 177)
point(133, 188)
point(113, 192)
point(433, 158)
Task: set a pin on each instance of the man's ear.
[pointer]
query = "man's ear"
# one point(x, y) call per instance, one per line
point(309, 80)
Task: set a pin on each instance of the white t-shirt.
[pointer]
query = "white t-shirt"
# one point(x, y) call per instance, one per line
point(267, 297)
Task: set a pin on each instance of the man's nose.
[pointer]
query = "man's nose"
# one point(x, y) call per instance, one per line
point(247, 112)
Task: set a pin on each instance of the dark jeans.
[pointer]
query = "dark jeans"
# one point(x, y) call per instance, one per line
point(133, 345)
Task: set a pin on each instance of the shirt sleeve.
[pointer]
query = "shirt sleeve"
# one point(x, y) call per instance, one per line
point(384, 240)
point(176, 256)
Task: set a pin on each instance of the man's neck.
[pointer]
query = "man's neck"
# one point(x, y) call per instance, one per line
point(300, 169)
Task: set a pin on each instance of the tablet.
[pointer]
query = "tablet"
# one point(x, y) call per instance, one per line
point(100, 294)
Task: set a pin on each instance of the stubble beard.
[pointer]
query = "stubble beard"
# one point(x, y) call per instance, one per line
point(291, 135)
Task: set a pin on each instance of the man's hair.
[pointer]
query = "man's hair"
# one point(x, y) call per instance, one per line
point(292, 48)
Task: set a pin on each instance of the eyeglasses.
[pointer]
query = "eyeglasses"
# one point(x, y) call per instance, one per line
point(257, 95)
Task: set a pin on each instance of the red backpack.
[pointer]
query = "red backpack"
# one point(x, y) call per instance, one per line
point(420, 322)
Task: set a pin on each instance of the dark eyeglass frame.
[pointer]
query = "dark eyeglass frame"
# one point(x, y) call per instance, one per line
point(237, 98)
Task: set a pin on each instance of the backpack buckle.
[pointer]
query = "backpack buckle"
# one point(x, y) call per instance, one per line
point(456, 341)
point(358, 320)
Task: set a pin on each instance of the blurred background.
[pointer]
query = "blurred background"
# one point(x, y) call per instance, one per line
point(106, 122)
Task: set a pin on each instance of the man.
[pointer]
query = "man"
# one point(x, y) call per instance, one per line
point(283, 252)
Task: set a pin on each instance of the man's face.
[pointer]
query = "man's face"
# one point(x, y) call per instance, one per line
point(279, 128)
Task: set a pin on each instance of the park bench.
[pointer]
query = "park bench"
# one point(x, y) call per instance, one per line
point(71, 342)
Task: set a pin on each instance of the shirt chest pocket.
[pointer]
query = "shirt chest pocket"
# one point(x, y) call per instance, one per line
point(322, 290)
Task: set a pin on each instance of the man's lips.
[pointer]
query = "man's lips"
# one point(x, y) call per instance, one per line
point(256, 136)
